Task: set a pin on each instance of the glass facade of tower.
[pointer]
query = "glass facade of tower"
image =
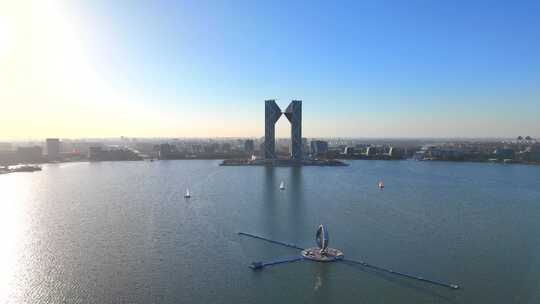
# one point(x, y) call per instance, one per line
point(271, 115)
point(53, 148)
point(294, 115)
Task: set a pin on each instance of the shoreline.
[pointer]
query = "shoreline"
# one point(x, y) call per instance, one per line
point(283, 163)
point(4, 169)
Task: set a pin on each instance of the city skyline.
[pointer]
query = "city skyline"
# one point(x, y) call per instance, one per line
point(198, 69)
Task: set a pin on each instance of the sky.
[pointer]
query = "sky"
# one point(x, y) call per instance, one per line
point(101, 68)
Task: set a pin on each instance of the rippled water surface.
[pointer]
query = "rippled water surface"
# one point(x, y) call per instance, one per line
point(122, 232)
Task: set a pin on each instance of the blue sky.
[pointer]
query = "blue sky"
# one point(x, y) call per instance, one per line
point(362, 68)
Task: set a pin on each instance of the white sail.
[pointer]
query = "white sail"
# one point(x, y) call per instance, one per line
point(282, 186)
point(187, 193)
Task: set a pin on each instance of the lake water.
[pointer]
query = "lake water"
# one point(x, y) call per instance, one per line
point(122, 232)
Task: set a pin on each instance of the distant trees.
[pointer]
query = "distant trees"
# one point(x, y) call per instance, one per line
point(527, 138)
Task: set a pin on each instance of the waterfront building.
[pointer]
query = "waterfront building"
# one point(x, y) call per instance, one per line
point(535, 152)
point(4, 146)
point(394, 152)
point(8, 157)
point(419, 155)
point(210, 148)
point(319, 147)
point(226, 147)
point(503, 153)
point(305, 146)
point(30, 154)
point(53, 149)
point(168, 151)
point(111, 154)
point(249, 146)
point(531, 153)
point(371, 151)
point(262, 148)
point(196, 148)
point(95, 152)
point(349, 150)
point(143, 147)
point(452, 153)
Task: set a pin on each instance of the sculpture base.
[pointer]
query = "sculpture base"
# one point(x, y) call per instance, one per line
point(330, 255)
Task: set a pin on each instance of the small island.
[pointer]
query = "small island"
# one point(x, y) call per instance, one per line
point(282, 162)
point(19, 168)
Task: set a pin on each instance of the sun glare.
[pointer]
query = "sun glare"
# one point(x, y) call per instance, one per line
point(48, 74)
point(11, 226)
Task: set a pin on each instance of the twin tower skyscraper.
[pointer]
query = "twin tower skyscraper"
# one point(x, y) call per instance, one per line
point(272, 113)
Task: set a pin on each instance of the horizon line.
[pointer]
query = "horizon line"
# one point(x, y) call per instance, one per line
point(19, 139)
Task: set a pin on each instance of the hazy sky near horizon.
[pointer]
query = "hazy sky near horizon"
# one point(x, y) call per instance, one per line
point(203, 68)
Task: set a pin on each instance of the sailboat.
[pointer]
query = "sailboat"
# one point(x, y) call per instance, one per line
point(282, 186)
point(381, 184)
point(187, 195)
